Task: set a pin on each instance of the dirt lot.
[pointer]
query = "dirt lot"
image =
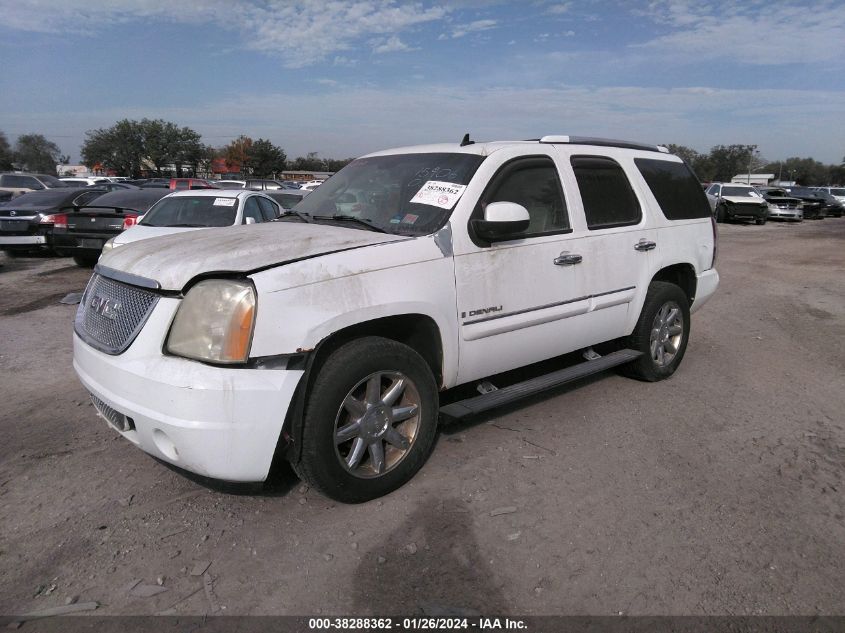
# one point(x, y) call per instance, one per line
point(719, 491)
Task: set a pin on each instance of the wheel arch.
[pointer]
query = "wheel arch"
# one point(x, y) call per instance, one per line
point(682, 275)
point(418, 331)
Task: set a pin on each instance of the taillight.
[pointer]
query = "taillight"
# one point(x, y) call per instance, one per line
point(130, 220)
point(58, 220)
point(715, 240)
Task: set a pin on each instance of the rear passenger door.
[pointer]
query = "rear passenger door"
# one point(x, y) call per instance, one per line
point(615, 242)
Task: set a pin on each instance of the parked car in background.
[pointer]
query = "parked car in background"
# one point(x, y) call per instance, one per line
point(266, 183)
point(287, 198)
point(782, 206)
point(19, 184)
point(177, 184)
point(90, 226)
point(230, 184)
point(79, 181)
point(833, 206)
point(193, 210)
point(114, 186)
point(29, 221)
point(812, 201)
point(836, 192)
point(311, 185)
point(738, 202)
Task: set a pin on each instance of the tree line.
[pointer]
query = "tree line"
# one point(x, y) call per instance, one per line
point(153, 146)
point(723, 162)
point(158, 147)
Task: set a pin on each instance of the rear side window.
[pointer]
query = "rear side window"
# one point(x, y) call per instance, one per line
point(675, 188)
point(606, 193)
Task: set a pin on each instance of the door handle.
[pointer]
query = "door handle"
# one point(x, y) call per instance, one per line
point(568, 259)
point(645, 245)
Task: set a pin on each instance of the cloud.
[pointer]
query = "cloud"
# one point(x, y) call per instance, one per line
point(559, 9)
point(473, 27)
point(751, 32)
point(301, 33)
point(391, 45)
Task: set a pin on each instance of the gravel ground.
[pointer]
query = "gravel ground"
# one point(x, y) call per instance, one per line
point(719, 491)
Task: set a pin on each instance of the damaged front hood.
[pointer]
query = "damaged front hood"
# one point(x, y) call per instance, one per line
point(745, 200)
point(173, 260)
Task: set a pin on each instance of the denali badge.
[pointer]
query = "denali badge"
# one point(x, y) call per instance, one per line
point(105, 307)
point(481, 311)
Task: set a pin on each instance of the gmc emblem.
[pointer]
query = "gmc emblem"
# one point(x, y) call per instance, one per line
point(105, 307)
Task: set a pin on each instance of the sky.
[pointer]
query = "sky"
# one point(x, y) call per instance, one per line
point(343, 77)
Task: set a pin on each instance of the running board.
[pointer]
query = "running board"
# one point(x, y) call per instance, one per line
point(478, 404)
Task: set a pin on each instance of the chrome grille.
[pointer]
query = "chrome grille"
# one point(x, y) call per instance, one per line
point(112, 313)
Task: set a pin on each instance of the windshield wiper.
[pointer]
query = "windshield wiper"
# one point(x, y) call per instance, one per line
point(305, 217)
point(351, 218)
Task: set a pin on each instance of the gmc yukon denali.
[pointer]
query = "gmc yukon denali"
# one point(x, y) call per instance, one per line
point(326, 337)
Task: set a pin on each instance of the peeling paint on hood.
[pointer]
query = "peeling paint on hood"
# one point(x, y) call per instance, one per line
point(173, 260)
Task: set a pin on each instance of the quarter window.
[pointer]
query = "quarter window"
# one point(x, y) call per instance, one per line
point(675, 188)
point(251, 210)
point(268, 209)
point(605, 192)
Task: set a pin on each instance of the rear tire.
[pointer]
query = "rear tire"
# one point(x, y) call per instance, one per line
point(370, 420)
point(661, 333)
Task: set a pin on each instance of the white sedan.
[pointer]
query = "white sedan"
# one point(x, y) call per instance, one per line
point(195, 209)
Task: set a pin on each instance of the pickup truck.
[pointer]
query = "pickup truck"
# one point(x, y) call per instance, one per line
point(327, 337)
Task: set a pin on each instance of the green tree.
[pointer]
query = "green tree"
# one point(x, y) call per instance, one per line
point(120, 147)
point(36, 153)
point(804, 171)
point(729, 160)
point(5, 152)
point(236, 153)
point(700, 163)
point(265, 159)
point(335, 164)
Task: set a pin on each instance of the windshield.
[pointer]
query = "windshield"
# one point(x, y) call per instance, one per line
point(193, 211)
point(405, 194)
point(740, 191)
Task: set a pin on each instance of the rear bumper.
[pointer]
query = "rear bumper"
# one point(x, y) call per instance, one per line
point(80, 243)
point(22, 240)
point(217, 422)
point(706, 284)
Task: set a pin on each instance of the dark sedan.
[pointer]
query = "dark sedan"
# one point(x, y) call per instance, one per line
point(90, 226)
point(814, 204)
point(29, 222)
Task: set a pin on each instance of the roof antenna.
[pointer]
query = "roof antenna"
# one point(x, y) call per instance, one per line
point(465, 141)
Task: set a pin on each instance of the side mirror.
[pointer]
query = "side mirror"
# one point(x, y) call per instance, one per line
point(249, 221)
point(502, 220)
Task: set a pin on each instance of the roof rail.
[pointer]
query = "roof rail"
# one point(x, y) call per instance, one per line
point(603, 142)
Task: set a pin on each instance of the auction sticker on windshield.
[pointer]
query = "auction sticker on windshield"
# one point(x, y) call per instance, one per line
point(224, 202)
point(439, 194)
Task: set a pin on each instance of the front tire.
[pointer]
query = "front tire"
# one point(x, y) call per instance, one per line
point(86, 261)
point(370, 420)
point(661, 333)
point(721, 214)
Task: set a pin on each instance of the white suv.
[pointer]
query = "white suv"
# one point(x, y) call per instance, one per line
point(327, 336)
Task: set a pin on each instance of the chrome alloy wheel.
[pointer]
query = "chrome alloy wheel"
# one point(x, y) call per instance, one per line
point(667, 330)
point(377, 424)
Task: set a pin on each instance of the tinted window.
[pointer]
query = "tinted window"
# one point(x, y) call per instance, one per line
point(534, 184)
point(251, 210)
point(606, 193)
point(287, 200)
point(269, 210)
point(192, 211)
point(675, 188)
point(21, 182)
point(87, 197)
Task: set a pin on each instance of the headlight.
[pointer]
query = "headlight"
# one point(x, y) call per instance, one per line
point(772, 207)
point(214, 323)
point(108, 246)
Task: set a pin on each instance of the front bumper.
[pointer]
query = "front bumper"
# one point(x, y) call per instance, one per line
point(746, 212)
point(786, 214)
point(222, 423)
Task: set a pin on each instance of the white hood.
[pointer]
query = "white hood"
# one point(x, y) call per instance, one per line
point(745, 200)
point(173, 260)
